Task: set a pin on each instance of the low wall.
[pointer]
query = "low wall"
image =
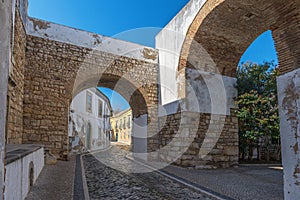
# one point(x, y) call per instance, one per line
point(18, 165)
point(199, 140)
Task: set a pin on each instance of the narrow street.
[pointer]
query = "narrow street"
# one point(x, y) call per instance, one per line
point(108, 177)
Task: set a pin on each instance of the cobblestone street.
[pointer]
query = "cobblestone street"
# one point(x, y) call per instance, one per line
point(105, 182)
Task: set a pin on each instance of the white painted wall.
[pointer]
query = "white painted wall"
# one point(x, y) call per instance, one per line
point(81, 118)
point(5, 38)
point(17, 175)
point(86, 39)
point(214, 94)
point(140, 136)
point(288, 86)
point(169, 43)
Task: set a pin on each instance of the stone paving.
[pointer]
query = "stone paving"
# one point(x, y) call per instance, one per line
point(109, 176)
point(56, 182)
point(246, 182)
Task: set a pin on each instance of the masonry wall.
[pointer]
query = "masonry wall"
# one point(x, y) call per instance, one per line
point(206, 147)
point(51, 70)
point(16, 85)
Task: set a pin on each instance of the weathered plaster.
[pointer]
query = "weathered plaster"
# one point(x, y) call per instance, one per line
point(5, 37)
point(169, 43)
point(289, 108)
point(209, 92)
point(60, 33)
point(205, 93)
point(139, 133)
point(17, 180)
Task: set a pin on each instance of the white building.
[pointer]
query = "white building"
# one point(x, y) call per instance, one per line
point(89, 123)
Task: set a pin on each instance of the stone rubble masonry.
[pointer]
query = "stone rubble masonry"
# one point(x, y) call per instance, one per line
point(51, 68)
point(221, 143)
point(16, 85)
point(50, 73)
point(44, 78)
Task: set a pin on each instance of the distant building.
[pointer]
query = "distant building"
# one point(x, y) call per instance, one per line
point(89, 123)
point(122, 126)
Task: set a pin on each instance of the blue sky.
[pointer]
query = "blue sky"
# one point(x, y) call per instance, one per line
point(132, 20)
point(261, 50)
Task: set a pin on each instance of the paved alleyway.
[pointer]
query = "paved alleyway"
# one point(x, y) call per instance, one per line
point(244, 182)
point(108, 175)
point(56, 182)
point(104, 182)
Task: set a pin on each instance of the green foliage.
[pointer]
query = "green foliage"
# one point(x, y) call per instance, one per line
point(257, 103)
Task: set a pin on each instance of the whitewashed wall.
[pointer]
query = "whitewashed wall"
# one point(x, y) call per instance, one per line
point(17, 175)
point(81, 118)
point(289, 109)
point(169, 43)
point(5, 24)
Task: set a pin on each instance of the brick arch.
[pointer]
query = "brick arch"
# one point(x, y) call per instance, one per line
point(225, 28)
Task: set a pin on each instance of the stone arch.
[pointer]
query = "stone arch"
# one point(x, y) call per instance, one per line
point(136, 93)
point(225, 28)
point(70, 68)
point(131, 91)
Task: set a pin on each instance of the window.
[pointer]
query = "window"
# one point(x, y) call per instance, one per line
point(129, 121)
point(124, 123)
point(100, 108)
point(89, 101)
point(120, 124)
point(117, 124)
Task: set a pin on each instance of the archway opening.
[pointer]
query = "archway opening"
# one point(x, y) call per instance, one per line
point(112, 107)
point(225, 29)
point(259, 132)
point(121, 120)
point(31, 175)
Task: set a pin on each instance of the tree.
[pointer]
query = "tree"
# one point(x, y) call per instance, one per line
point(258, 107)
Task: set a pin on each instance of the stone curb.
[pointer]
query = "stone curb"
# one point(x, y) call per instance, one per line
point(181, 181)
point(84, 183)
point(260, 165)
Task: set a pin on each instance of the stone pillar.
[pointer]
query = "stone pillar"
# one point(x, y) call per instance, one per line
point(5, 37)
point(201, 130)
point(289, 110)
point(139, 132)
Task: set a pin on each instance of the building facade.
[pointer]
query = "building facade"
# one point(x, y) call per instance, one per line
point(89, 121)
point(122, 127)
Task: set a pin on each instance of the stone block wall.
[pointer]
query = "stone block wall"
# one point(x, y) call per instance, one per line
point(204, 143)
point(51, 81)
point(16, 85)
